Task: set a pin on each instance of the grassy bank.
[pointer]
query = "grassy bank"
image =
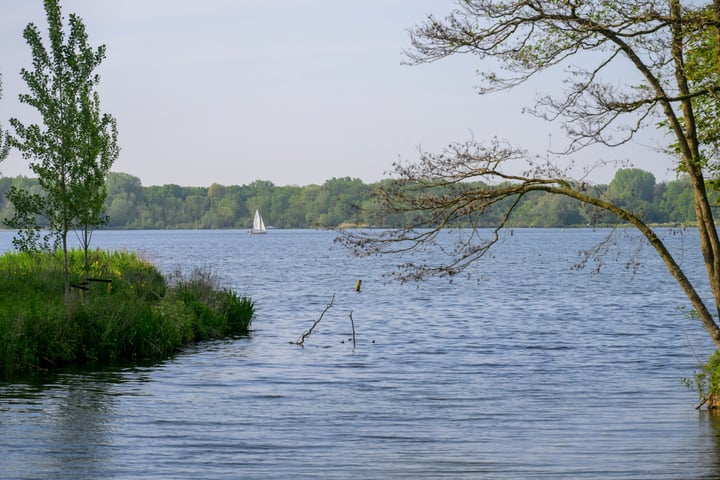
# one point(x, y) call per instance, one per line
point(127, 311)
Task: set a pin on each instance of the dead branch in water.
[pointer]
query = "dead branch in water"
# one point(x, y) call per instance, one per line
point(301, 341)
point(352, 322)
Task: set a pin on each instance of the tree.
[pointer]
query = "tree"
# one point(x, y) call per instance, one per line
point(633, 189)
point(632, 185)
point(123, 183)
point(73, 149)
point(124, 194)
point(216, 192)
point(702, 68)
point(676, 202)
point(97, 151)
point(4, 143)
point(648, 39)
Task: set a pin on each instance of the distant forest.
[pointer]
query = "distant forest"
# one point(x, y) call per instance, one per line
point(348, 201)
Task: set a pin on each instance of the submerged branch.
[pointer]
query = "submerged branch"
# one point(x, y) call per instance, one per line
point(301, 341)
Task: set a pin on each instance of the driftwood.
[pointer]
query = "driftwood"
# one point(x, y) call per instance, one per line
point(301, 341)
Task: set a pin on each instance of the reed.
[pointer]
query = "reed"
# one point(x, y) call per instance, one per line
point(127, 311)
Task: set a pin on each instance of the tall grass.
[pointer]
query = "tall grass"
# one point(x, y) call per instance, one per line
point(127, 311)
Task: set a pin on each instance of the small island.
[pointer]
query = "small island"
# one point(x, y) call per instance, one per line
point(120, 308)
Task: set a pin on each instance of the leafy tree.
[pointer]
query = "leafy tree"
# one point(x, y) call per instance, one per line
point(632, 184)
point(74, 147)
point(647, 39)
point(676, 203)
point(123, 183)
point(4, 143)
point(98, 150)
point(633, 189)
point(215, 193)
point(702, 67)
point(195, 207)
point(285, 206)
point(124, 194)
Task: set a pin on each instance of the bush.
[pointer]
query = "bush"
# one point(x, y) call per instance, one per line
point(128, 311)
point(707, 382)
point(216, 312)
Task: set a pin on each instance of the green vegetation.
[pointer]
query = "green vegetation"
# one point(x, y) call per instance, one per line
point(707, 382)
point(140, 315)
point(346, 201)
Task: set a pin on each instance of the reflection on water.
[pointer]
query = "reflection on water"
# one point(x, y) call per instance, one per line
point(59, 426)
point(535, 371)
point(709, 426)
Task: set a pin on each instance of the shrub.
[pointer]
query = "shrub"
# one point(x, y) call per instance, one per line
point(707, 382)
point(217, 312)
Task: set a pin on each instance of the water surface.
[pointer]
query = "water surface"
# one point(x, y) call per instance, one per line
point(530, 369)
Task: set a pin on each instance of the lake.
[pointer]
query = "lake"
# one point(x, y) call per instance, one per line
point(529, 369)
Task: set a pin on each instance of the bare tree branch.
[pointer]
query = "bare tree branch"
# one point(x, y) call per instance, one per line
point(437, 186)
point(301, 341)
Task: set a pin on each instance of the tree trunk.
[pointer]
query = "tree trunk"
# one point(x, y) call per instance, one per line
point(66, 267)
point(689, 148)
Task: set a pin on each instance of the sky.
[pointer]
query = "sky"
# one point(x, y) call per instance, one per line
point(291, 91)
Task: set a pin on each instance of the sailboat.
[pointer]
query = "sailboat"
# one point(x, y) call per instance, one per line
point(258, 224)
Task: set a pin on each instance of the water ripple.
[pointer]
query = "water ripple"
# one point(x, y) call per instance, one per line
point(535, 371)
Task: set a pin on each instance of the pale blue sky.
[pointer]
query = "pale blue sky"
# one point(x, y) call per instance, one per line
point(291, 91)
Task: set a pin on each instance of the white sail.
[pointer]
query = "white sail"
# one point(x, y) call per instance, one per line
point(258, 224)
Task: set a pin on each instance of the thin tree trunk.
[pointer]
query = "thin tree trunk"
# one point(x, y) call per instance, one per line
point(66, 267)
point(709, 241)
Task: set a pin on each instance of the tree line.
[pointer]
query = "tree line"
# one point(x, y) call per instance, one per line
point(349, 201)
